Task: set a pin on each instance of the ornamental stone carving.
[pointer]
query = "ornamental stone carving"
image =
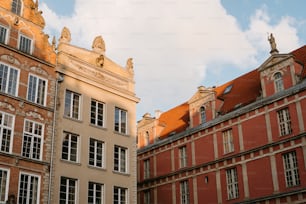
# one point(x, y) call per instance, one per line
point(65, 35)
point(130, 65)
point(34, 115)
point(7, 106)
point(98, 44)
point(100, 61)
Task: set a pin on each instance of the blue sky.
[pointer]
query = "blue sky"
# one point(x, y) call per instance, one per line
point(178, 45)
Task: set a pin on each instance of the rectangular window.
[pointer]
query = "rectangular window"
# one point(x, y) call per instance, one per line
point(184, 191)
point(120, 121)
point(6, 131)
point(25, 44)
point(16, 7)
point(147, 197)
point(95, 193)
point(97, 113)
point(228, 143)
point(32, 140)
point(120, 195)
point(3, 34)
point(70, 147)
point(8, 79)
point(120, 159)
point(37, 90)
point(96, 153)
point(232, 183)
point(4, 181)
point(72, 105)
point(291, 169)
point(28, 189)
point(183, 156)
point(146, 168)
point(284, 122)
point(68, 191)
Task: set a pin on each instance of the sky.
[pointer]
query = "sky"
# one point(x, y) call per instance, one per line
point(179, 45)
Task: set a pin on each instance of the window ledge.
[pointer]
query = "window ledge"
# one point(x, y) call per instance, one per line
point(71, 162)
point(121, 173)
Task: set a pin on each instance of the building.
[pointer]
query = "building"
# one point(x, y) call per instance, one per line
point(241, 142)
point(95, 144)
point(27, 94)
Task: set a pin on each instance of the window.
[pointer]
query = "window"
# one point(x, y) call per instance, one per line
point(4, 182)
point(120, 159)
point(146, 168)
point(68, 191)
point(8, 79)
point(284, 122)
point(203, 114)
point(232, 183)
point(147, 197)
point(32, 140)
point(147, 138)
point(70, 147)
point(228, 143)
point(25, 44)
point(120, 120)
point(120, 195)
point(72, 105)
point(291, 169)
point(184, 191)
point(95, 193)
point(96, 153)
point(183, 156)
point(28, 189)
point(3, 34)
point(16, 6)
point(228, 89)
point(6, 131)
point(37, 90)
point(97, 113)
point(278, 82)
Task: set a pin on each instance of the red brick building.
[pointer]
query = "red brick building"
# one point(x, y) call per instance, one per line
point(242, 142)
point(27, 94)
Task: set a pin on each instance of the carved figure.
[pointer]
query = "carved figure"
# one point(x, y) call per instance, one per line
point(272, 42)
point(65, 35)
point(98, 44)
point(100, 61)
point(129, 64)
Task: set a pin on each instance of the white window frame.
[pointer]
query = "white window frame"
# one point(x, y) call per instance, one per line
point(119, 117)
point(94, 192)
point(228, 141)
point(25, 49)
point(278, 82)
point(284, 122)
point(203, 114)
point(19, 4)
point(146, 168)
point(7, 127)
point(147, 138)
point(5, 36)
point(28, 191)
point(291, 170)
point(120, 191)
point(119, 161)
point(232, 183)
point(69, 147)
point(33, 136)
point(8, 82)
point(34, 88)
point(184, 192)
point(183, 156)
point(96, 152)
point(68, 188)
point(70, 105)
point(4, 184)
point(147, 197)
point(96, 114)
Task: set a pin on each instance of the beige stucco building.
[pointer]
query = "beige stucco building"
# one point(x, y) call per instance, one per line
point(95, 145)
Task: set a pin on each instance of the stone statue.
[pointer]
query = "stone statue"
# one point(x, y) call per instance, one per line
point(272, 43)
point(98, 44)
point(100, 61)
point(130, 65)
point(65, 35)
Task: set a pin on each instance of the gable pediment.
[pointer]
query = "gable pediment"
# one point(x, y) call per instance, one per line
point(278, 60)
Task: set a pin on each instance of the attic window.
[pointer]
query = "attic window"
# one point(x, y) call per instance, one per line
point(16, 6)
point(228, 89)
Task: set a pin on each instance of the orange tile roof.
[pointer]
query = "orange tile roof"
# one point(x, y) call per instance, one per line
point(300, 56)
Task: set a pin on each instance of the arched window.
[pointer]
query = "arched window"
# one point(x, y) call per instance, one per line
point(278, 82)
point(147, 138)
point(203, 114)
point(16, 6)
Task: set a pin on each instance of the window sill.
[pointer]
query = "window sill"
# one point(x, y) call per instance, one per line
point(99, 127)
point(73, 119)
point(122, 134)
point(71, 162)
point(96, 168)
point(121, 173)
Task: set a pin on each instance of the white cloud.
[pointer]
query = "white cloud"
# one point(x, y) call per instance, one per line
point(172, 42)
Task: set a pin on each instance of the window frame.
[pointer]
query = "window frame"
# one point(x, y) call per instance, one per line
point(95, 153)
point(3, 127)
point(94, 192)
point(278, 82)
point(68, 187)
point(232, 186)
point(19, 7)
point(284, 122)
point(203, 114)
point(118, 127)
point(69, 147)
point(27, 190)
point(8, 81)
point(71, 106)
point(25, 48)
point(35, 88)
point(94, 115)
point(291, 169)
point(6, 184)
point(184, 192)
point(147, 197)
point(183, 156)
point(32, 135)
point(120, 190)
point(228, 141)
point(6, 35)
point(146, 168)
point(119, 161)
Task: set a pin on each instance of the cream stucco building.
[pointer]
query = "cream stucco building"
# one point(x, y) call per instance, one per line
point(95, 145)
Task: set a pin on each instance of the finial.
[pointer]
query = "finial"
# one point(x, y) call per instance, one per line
point(271, 39)
point(98, 45)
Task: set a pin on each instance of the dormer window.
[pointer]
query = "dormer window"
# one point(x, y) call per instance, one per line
point(202, 114)
point(278, 82)
point(228, 89)
point(3, 34)
point(25, 44)
point(16, 6)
